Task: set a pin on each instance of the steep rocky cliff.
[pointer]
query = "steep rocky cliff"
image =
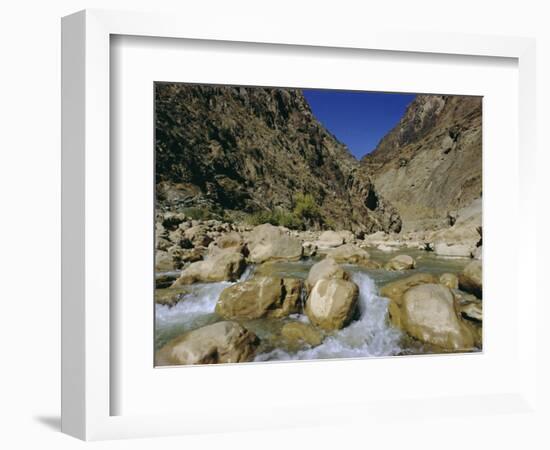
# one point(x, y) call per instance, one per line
point(429, 166)
point(245, 150)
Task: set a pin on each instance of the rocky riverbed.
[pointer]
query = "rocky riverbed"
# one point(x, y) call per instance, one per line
point(230, 292)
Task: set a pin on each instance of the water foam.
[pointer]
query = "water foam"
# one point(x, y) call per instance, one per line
point(371, 335)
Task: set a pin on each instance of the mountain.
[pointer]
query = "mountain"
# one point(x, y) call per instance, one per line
point(249, 149)
point(429, 166)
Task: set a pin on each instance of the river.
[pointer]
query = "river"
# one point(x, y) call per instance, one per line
point(370, 335)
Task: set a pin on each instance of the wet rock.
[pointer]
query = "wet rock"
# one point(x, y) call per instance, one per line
point(222, 342)
point(226, 265)
point(332, 303)
point(260, 297)
point(298, 333)
point(401, 262)
point(429, 315)
point(325, 270)
point(269, 243)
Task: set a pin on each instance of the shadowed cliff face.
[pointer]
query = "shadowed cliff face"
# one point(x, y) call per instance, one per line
point(430, 165)
point(253, 149)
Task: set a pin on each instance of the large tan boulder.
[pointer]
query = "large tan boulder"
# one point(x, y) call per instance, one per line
point(226, 265)
point(325, 269)
point(260, 297)
point(394, 292)
point(401, 262)
point(352, 254)
point(471, 279)
point(429, 315)
point(298, 333)
point(332, 303)
point(269, 243)
point(222, 342)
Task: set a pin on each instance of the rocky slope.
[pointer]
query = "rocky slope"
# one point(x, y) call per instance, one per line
point(430, 165)
point(243, 150)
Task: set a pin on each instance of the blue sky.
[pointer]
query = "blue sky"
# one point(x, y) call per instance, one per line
point(358, 119)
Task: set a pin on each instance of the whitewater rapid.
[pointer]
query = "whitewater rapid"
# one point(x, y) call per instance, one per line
point(371, 335)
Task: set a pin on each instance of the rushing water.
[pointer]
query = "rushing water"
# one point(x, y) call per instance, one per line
point(369, 335)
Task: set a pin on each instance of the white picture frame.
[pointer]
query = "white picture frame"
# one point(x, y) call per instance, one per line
point(86, 247)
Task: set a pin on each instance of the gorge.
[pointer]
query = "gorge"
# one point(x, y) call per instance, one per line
point(273, 242)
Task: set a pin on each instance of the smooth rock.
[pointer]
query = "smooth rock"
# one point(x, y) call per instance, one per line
point(260, 297)
point(351, 254)
point(226, 265)
point(330, 239)
point(269, 243)
point(401, 262)
point(325, 269)
point(394, 292)
point(429, 315)
point(332, 303)
point(222, 342)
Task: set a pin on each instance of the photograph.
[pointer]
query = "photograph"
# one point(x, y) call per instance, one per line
point(306, 224)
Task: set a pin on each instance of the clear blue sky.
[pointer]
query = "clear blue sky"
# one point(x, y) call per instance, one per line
point(358, 119)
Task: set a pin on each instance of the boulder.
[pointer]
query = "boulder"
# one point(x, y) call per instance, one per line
point(471, 279)
point(429, 315)
point(351, 254)
point(332, 303)
point(226, 265)
point(449, 279)
point(222, 342)
point(298, 333)
point(325, 269)
point(401, 262)
point(330, 239)
point(394, 292)
point(269, 243)
point(260, 297)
